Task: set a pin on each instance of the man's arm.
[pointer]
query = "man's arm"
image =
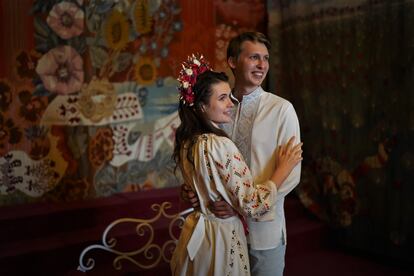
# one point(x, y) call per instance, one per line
point(289, 126)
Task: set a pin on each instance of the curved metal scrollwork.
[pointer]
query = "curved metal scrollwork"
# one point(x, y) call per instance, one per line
point(150, 251)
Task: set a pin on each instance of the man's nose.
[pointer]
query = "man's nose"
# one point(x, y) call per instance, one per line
point(261, 63)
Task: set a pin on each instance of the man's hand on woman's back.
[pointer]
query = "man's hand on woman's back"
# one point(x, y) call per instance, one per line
point(188, 195)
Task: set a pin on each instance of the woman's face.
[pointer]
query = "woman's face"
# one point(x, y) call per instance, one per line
point(219, 108)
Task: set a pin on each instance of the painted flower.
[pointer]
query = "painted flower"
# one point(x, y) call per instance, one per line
point(61, 70)
point(142, 17)
point(101, 147)
point(64, 148)
point(69, 190)
point(39, 141)
point(116, 30)
point(32, 108)
point(145, 71)
point(66, 19)
point(98, 99)
point(5, 95)
point(26, 64)
point(9, 134)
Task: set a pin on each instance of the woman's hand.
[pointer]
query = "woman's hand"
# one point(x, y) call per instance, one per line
point(287, 157)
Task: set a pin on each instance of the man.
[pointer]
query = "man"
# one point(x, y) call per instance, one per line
point(261, 122)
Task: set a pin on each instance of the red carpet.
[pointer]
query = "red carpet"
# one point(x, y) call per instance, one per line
point(47, 239)
point(312, 251)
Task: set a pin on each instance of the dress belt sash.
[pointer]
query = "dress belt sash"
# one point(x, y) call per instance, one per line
point(199, 232)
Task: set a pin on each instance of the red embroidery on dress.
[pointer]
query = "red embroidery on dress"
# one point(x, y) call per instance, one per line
point(228, 163)
point(247, 184)
point(264, 189)
point(219, 165)
point(227, 177)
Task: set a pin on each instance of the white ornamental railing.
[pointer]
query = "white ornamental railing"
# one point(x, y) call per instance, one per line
point(151, 252)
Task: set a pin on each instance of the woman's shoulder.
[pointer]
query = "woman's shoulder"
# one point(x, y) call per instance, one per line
point(217, 142)
point(214, 138)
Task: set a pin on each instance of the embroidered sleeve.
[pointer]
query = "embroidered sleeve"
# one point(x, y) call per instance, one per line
point(228, 169)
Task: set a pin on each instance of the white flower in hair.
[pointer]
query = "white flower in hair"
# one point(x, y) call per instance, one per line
point(196, 62)
point(185, 84)
point(189, 71)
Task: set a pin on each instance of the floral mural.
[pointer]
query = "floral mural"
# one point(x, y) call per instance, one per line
point(89, 107)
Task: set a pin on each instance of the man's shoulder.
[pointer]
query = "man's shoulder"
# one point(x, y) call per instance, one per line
point(271, 100)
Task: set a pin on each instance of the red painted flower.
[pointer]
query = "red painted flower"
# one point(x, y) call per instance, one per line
point(5, 95)
point(9, 134)
point(26, 64)
point(101, 147)
point(69, 190)
point(32, 108)
point(64, 148)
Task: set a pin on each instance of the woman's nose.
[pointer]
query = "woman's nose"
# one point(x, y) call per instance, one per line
point(230, 103)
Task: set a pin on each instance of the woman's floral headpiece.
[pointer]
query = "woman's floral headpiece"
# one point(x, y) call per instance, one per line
point(194, 66)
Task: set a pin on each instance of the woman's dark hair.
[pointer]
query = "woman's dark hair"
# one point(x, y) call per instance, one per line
point(193, 119)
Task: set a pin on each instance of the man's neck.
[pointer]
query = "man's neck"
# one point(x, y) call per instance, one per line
point(240, 91)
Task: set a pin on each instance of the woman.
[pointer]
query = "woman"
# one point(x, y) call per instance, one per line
point(213, 166)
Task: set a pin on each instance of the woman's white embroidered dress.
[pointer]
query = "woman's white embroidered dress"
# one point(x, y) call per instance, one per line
point(209, 245)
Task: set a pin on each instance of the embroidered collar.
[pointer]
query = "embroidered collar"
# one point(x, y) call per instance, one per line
point(250, 97)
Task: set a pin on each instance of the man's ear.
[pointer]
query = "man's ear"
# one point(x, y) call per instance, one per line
point(231, 61)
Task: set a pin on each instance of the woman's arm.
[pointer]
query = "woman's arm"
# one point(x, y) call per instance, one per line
point(251, 199)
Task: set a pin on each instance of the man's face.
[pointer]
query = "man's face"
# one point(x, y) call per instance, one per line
point(251, 66)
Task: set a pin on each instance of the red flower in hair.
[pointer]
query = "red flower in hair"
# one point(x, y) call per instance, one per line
point(194, 66)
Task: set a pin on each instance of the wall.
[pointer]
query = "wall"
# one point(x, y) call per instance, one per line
point(88, 91)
